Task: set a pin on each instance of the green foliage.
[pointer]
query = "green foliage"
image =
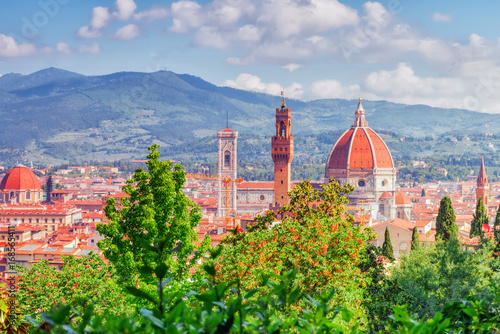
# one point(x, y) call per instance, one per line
point(443, 273)
point(480, 217)
point(415, 241)
point(496, 233)
point(151, 235)
point(11, 322)
point(313, 238)
point(446, 227)
point(80, 282)
point(387, 249)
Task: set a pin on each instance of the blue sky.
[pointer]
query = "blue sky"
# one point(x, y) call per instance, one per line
point(441, 53)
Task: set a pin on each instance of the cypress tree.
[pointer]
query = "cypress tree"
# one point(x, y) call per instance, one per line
point(480, 218)
point(423, 192)
point(387, 249)
point(496, 232)
point(446, 228)
point(414, 239)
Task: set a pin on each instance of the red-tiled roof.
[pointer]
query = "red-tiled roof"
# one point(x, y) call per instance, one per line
point(360, 148)
point(402, 199)
point(386, 195)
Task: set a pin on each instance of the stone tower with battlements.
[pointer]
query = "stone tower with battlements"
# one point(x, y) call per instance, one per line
point(282, 153)
point(227, 166)
point(483, 189)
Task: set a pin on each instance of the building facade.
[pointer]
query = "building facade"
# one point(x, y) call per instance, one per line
point(227, 168)
point(282, 154)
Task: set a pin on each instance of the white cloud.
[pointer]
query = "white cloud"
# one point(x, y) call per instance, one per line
point(100, 17)
point(186, 15)
point(86, 32)
point(253, 27)
point(124, 9)
point(63, 48)
point(291, 67)
point(9, 48)
point(251, 82)
point(91, 49)
point(442, 17)
point(314, 16)
point(130, 31)
point(402, 82)
point(211, 38)
point(330, 89)
point(153, 14)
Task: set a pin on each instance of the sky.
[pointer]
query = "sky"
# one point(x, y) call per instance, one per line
point(439, 53)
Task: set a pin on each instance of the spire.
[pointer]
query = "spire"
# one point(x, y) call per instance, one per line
point(283, 104)
point(359, 117)
point(482, 178)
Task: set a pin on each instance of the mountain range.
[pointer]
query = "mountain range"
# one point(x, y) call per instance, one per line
point(53, 115)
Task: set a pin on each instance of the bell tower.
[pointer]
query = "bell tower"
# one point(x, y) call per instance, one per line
point(227, 167)
point(483, 189)
point(282, 153)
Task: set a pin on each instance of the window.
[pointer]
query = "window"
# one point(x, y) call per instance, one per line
point(282, 129)
point(262, 197)
point(17, 237)
point(361, 183)
point(403, 247)
point(227, 159)
point(281, 181)
point(92, 240)
point(28, 195)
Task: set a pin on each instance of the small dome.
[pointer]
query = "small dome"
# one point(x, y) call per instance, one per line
point(20, 178)
point(402, 199)
point(386, 195)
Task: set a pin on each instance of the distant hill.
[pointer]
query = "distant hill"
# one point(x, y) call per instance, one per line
point(56, 115)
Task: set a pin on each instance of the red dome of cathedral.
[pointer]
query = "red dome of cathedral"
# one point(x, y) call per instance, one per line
point(359, 147)
point(20, 178)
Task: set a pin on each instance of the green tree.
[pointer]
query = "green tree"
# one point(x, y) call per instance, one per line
point(151, 235)
point(80, 282)
point(443, 273)
point(423, 192)
point(446, 228)
point(316, 237)
point(496, 233)
point(415, 242)
point(387, 249)
point(479, 219)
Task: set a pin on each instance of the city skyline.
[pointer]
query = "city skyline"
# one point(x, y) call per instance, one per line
point(416, 52)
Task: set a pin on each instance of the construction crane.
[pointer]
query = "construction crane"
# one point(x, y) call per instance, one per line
point(362, 210)
point(226, 186)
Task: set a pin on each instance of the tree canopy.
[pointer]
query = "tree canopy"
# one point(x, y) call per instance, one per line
point(387, 249)
point(480, 217)
point(446, 227)
point(316, 237)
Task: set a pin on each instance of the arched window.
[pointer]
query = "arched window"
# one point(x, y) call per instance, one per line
point(28, 195)
point(403, 247)
point(227, 159)
point(282, 129)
